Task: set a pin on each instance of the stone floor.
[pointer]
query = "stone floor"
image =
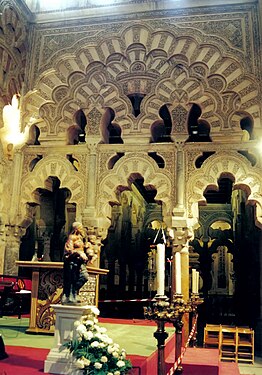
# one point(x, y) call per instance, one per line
point(255, 369)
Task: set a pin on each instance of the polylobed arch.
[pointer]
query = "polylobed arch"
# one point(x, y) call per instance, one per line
point(232, 165)
point(129, 164)
point(47, 167)
point(213, 94)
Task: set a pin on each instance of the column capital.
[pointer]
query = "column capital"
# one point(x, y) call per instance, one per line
point(92, 147)
point(180, 237)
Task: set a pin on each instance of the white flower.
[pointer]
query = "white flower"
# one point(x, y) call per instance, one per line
point(110, 373)
point(95, 310)
point(103, 359)
point(88, 335)
point(81, 329)
point(80, 364)
point(94, 344)
point(120, 363)
point(98, 365)
point(117, 373)
point(115, 355)
point(99, 336)
point(77, 323)
point(86, 362)
point(116, 349)
point(110, 349)
point(107, 340)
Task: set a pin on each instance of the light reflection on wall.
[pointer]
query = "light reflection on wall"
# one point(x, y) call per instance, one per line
point(52, 5)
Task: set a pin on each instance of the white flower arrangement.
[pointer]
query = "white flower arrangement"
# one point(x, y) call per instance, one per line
point(94, 352)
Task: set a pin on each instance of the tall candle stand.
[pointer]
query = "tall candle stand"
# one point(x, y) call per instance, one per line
point(163, 312)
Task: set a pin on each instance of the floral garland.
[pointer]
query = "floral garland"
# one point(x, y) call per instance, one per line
point(94, 352)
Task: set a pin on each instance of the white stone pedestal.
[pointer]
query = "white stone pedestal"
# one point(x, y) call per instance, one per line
point(59, 360)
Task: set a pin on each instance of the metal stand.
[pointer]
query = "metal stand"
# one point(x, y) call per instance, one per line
point(161, 336)
point(164, 312)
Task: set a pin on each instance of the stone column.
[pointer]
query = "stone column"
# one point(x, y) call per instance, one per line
point(89, 214)
point(182, 235)
point(180, 182)
point(91, 176)
point(2, 247)
point(258, 328)
point(13, 239)
point(16, 183)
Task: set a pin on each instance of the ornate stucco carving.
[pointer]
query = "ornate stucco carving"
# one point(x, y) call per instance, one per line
point(133, 163)
point(52, 166)
point(226, 163)
point(165, 62)
point(13, 50)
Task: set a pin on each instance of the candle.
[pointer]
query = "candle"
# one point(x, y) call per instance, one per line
point(178, 289)
point(160, 268)
point(197, 281)
point(194, 281)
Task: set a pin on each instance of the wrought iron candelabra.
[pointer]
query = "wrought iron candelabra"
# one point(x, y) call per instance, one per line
point(163, 312)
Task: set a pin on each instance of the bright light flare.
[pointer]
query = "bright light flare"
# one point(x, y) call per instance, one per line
point(11, 132)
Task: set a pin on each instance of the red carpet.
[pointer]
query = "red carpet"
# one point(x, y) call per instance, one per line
point(228, 368)
point(30, 361)
point(202, 361)
point(23, 361)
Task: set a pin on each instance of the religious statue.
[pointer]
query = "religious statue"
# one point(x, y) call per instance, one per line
point(78, 252)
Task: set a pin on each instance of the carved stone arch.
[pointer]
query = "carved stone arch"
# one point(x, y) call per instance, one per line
point(217, 82)
point(218, 216)
point(46, 167)
point(10, 76)
point(220, 164)
point(11, 17)
point(135, 52)
point(86, 91)
point(153, 216)
point(179, 88)
point(236, 119)
point(198, 70)
point(123, 168)
point(193, 50)
point(137, 32)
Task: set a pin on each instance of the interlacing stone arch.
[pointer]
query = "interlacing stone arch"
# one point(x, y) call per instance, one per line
point(118, 176)
point(232, 164)
point(12, 53)
point(51, 166)
point(167, 67)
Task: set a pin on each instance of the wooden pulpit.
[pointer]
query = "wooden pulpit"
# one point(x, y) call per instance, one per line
point(47, 288)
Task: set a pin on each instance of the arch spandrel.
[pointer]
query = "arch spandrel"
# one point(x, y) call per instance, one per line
point(133, 163)
point(52, 166)
point(231, 163)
